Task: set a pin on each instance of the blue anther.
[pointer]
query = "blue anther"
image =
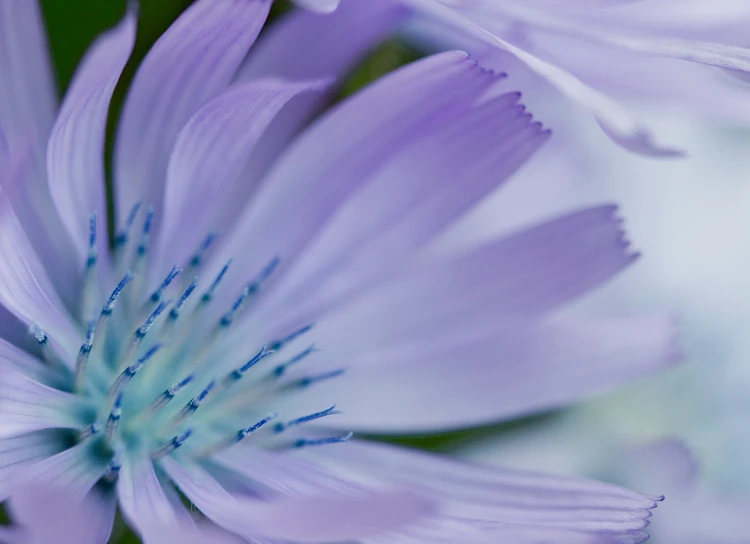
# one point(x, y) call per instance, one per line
point(83, 355)
point(39, 335)
point(174, 313)
point(228, 317)
point(195, 402)
point(174, 443)
point(129, 373)
point(147, 223)
point(262, 354)
point(305, 419)
point(110, 304)
point(281, 369)
point(122, 237)
point(114, 415)
point(264, 275)
point(303, 442)
point(278, 344)
point(170, 393)
point(113, 469)
point(156, 295)
point(242, 433)
point(309, 380)
point(143, 329)
point(89, 342)
point(90, 430)
point(91, 261)
point(197, 258)
point(208, 295)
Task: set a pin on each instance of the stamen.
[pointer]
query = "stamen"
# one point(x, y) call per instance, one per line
point(156, 295)
point(194, 403)
point(83, 356)
point(48, 352)
point(309, 380)
point(121, 239)
point(142, 331)
point(110, 304)
point(172, 445)
point(113, 470)
point(279, 427)
point(304, 442)
point(209, 295)
point(197, 257)
point(91, 261)
point(237, 374)
point(281, 369)
point(169, 394)
point(148, 221)
point(237, 437)
point(114, 417)
point(129, 373)
point(174, 313)
point(278, 344)
point(228, 318)
point(90, 430)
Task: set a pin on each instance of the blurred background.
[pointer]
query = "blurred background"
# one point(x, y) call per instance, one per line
point(684, 433)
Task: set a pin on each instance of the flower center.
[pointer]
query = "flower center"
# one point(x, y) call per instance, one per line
point(151, 375)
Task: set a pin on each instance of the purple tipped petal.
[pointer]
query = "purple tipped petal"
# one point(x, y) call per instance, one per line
point(193, 61)
point(455, 379)
point(203, 178)
point(75, 155)
point(322, 517)
point(333, 158)
point(27, 99)
point(611, 115)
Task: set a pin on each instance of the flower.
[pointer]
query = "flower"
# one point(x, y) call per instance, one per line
point(599, 52)
point(266, 277)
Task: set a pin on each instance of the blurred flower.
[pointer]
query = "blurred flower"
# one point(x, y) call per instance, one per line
point(599, 52)
point(688, 214)
point(143, 378)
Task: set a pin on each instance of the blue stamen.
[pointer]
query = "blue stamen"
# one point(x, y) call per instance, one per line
point(242, 433)
point(303, 442)
point(281, 369)
point(39, 335)
point(90, 430)
point(142, 331)
point(129, 373)
point(114, 416)
point(278, 344)
point(148, 221)
point(170, 393)
point(91, 261)
point(228, 318)
point(172, 445)
point(237, 373)
point(83, 355)
point(122, 237)
point(197, 258)
point(156, 295)
point(174, 313)
point(309, 380)
point(279, 427)
point(208, 295)
point(195, 402)
point(110, 304)
point(113, 470)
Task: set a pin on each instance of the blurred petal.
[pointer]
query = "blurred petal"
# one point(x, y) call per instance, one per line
point(355, 515)
point(503, 370)
point(203, 178)
point(26, 290)
point(612, 116)
point(49, 514)
point(322, 6)
point(27, 96)
point(145, 504)
point(21, 451)
point(507, 502)
point(27, 405)
point(75, 155)
point(194, 60)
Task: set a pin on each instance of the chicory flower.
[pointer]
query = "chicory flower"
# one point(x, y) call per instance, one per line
point(272, 288)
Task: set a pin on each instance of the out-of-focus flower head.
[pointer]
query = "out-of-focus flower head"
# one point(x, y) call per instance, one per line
point(602, 53)
point(271, 287)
